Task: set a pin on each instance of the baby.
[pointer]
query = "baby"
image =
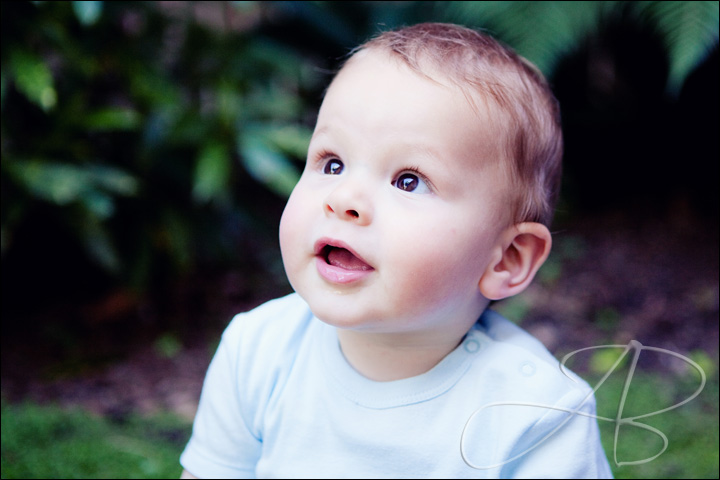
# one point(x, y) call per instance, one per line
point(429, 184)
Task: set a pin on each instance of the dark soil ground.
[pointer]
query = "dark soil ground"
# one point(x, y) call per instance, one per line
point(611, 278)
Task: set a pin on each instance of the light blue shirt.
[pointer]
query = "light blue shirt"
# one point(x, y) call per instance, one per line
point(281, 401)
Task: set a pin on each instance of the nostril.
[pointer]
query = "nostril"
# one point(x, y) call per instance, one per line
point(348, 214)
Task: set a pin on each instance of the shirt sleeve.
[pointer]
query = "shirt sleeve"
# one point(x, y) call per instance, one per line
point(563, 443)
point(222, 444)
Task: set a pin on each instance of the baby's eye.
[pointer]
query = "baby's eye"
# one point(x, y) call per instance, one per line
point(410, 182)
point(333, 167)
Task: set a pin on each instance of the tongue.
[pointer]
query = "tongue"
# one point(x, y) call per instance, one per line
point(340, 257)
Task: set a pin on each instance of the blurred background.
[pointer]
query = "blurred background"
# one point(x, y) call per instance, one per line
point(148, 149)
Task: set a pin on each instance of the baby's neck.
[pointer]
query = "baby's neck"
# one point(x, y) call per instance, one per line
point(388, 357)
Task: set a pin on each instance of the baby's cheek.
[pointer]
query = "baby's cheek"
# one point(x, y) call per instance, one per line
point(290, 236)
point(425, 285)
point(292, 217)
point(285, 234)
point(439, 275)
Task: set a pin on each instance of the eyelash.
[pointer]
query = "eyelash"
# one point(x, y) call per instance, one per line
point(323, 156)
point(415, 171)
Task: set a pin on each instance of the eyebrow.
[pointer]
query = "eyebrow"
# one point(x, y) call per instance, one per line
point(427, 150)
point(423, 149)
point(320, 131)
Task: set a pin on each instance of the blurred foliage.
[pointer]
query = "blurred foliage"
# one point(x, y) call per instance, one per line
point(691, 429)
point(154, 138)
point(148, 132)
point(688, 30)
point(636, 83)
point(51, 442)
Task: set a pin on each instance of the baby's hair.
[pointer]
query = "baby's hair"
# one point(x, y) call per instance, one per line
point(530, 114)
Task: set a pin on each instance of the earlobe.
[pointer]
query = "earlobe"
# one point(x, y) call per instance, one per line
point(523, 250)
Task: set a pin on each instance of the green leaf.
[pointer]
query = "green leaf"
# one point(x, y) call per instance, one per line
point(152, 86)
point(112, 118)
point(212, 172)
point(168, 345)
point(545, 31)
point(268, 166)
point(542, 32)
point(113, 180)
point(99, 203)
point(229, 102)
point(54, 182)
point(33, 79)
point(272, 102)
point(689, 29)
point(706, 363)
point(603, 359)
point(293, 140)
point(88, 12)
point(98, 242)
point(62, 183)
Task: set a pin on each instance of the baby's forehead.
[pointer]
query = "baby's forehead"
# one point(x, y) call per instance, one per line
point(382, 94)
point(478, 85)
point(375, 72)
point(426, 69)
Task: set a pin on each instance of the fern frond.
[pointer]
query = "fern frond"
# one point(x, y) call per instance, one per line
point(689, 31)
point(544, 32)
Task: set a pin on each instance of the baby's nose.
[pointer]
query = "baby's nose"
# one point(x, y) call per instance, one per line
point(349, 202)
point(348, 214)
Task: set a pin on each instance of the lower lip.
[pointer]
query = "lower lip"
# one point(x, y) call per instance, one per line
point(339, 275)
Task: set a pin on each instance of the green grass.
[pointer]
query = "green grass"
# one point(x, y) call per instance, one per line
point(50, 442)
point(691, 429)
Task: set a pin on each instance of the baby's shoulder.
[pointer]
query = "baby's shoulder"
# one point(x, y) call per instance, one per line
point(276, 320)
point(275, 328)
point(525, 365)
point(511, 337)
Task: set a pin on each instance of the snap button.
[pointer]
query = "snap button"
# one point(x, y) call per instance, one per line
point(472, 346)
point(527, 369)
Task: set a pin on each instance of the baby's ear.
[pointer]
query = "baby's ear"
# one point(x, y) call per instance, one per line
point(523, 250)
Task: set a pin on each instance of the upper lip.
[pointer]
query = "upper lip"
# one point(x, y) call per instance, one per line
point(331, 242)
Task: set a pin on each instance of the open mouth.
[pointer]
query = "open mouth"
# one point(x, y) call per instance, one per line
point(343, 258)
point(338, 263)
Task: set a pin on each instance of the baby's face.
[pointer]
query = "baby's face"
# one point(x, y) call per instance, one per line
point(400, 208)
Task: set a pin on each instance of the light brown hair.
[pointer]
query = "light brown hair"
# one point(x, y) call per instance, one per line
point(479, 64)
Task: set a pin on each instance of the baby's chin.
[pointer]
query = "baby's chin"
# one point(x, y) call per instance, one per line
point(365, 323)
point(338, 312)
point(338, 317)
